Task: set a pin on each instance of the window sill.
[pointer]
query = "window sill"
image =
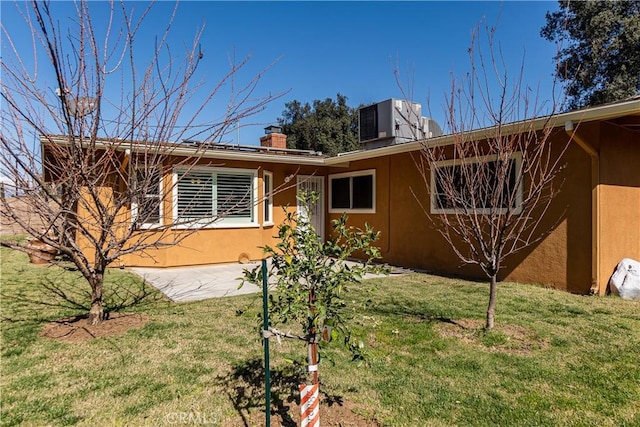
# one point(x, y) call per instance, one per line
point(215, 226)
point(436, 211)
point(352, 211)
point(267, 224)
point(149, 227)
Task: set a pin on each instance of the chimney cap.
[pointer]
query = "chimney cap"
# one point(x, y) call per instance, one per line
point(272, 129)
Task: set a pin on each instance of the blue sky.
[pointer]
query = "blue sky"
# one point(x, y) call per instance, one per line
point(347, 47)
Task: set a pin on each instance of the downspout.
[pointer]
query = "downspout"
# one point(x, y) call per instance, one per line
point(595, 206)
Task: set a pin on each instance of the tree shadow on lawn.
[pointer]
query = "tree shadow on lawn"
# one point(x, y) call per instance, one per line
point(244, 386)
point(414, 312)
point(504, 337)
point(49, 293)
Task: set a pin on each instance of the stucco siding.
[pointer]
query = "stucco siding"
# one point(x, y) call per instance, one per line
point(562, 258)
point(218, 244)
point(619, 198)
point(410, 238)
point(591, 224)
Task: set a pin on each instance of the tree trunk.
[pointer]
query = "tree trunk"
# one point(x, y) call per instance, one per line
point(312, 359)
point(491, 310)
point(312, 345)
point(96, 313)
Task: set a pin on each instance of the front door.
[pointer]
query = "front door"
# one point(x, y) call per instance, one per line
point(316, 184)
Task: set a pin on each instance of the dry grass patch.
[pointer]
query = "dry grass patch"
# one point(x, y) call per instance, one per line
point(505, 338)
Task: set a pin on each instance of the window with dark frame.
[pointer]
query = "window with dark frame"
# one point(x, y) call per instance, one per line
point(459, 197)
point(353, 192)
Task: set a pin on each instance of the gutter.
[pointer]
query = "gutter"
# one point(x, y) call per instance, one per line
point(595, 206)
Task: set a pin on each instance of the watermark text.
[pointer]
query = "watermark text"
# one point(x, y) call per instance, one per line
point(191, 418)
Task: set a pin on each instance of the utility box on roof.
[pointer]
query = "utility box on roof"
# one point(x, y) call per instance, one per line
point(394, 121)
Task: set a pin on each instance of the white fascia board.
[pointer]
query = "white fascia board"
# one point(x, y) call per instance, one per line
point(603, 112)
point(190, 152)
point(250, 157)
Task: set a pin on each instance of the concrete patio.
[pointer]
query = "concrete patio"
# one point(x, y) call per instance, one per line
point(182, 284)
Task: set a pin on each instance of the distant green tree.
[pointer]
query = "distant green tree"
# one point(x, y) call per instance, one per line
point(600, 55)
point(329, 126)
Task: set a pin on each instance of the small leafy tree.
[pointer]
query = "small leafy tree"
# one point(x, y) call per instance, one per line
point(310, 278)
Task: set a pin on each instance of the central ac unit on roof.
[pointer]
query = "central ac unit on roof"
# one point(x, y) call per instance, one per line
point(394, 121)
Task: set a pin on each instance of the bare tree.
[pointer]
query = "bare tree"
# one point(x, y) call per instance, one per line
point(490, 191)
point(87, 125)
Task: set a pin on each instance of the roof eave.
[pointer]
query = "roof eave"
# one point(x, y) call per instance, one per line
point(603, 112)
point(176, 150)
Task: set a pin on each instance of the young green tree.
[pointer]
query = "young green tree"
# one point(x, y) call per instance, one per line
point(599, 56)
point(329, 126)
point(309, 279)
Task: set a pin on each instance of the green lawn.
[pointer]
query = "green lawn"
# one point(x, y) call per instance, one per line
point(554, 359)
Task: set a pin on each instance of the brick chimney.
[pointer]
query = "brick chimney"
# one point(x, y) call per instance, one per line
point(273, 137)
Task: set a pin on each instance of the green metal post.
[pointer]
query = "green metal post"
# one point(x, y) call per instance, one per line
point(265, 317)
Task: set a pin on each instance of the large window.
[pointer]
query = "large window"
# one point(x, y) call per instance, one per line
point(267, 180)
point(203, 196)
point(146, 209)
point(353, 192)
point(476, 185)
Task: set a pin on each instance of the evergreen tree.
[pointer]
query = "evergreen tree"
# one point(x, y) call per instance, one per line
point(599, 57)
point(329, 126)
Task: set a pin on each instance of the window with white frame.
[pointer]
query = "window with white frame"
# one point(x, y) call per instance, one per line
point(353, 192)
point(146, 208)
point(267, 181)
point(203, 196)
point(481, 185)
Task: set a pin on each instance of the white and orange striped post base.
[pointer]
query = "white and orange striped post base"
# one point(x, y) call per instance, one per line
point(309, 406)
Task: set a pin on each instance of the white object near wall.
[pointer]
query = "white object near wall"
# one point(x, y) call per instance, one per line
point(625, 280)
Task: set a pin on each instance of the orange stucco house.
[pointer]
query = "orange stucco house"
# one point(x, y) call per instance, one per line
point(594, 220)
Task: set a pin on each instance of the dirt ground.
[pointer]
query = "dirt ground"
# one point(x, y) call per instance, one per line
point(78, 329)
point(342, 414)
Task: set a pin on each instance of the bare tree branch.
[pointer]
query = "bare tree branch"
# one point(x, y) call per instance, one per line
point(489, 196)
point(90, 157)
